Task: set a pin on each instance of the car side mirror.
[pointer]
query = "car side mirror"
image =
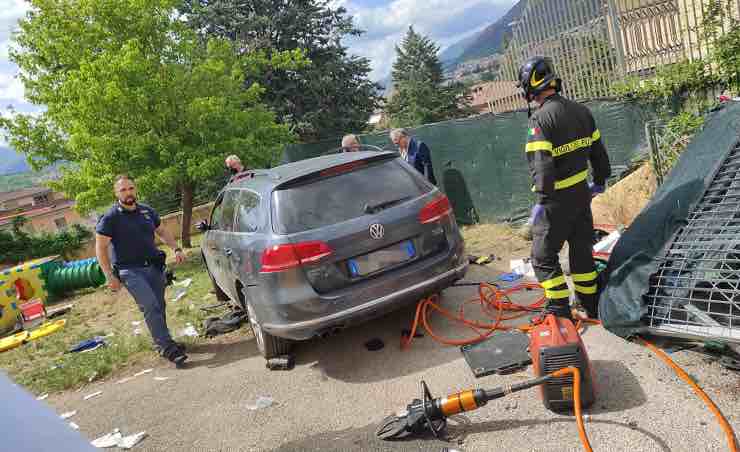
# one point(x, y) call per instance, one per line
point(202, 226)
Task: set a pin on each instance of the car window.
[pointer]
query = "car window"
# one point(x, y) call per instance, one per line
point(228, 207)
point(247, 211)
point(216, 213)
point(340, 198)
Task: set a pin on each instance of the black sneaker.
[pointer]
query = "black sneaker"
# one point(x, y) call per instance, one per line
point(176, 356)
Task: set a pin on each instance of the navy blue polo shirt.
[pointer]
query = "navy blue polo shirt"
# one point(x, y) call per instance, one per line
point(131, 233)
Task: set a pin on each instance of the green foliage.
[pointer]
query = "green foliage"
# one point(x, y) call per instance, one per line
point(420, 97)
point(130, 88)
point(16, 245)
point(328, 98)
point(669, 83)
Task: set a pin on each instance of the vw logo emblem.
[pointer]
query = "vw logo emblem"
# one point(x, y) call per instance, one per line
point(377, 231)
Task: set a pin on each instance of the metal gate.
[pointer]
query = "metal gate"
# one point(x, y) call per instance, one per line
point(696, 291)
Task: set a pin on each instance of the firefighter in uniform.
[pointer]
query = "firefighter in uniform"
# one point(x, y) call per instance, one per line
point(561, 141)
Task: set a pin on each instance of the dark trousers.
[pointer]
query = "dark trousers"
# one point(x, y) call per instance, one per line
point(561, 222)
point(146, 286)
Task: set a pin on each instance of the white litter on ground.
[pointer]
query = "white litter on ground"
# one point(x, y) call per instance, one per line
point(161, 378)
point(116, 439)
point(42, 396)
point(109, 440)
point(262, 402)
point(127, 442)
point(68, 414)
point(74, 426)
point(94, 394)
point(184, 283)
point(522, 267)
point(189, 331)
point(143, 372)
point(179, 293)
point(124, 380)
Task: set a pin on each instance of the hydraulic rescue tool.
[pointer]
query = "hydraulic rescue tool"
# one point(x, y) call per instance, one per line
point(563, 373)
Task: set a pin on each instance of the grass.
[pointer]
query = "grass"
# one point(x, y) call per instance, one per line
point(43, 366)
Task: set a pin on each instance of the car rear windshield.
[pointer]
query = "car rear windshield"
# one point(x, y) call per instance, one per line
point(345, 196)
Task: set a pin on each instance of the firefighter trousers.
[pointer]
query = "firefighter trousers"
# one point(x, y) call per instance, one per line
point(562, 222)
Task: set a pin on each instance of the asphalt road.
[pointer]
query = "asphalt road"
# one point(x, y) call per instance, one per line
point(339, 391)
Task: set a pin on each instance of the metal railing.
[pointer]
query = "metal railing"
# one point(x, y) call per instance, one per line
point(595, 43)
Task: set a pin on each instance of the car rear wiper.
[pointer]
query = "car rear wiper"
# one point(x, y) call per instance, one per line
point(384, 205)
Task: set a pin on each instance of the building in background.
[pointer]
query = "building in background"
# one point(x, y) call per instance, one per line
point(44, 210)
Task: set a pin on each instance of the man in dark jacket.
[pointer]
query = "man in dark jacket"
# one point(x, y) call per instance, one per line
point(414, 152)
point(562, 140)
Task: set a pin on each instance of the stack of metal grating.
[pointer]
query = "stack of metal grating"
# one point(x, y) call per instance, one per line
point(695, 293)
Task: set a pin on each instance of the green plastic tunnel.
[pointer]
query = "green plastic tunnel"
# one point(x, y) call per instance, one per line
point(66, 279)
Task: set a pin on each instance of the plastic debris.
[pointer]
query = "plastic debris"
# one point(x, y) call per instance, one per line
point(522, 267)
point(42, 396)
point(74, 426)
point(94, 394)
point(283, 362)
point(481, 260)
point(179, 293)
point(143, 372)
point(59, 311)
point(68, 414)
point(124, 380)
point(607, 243)
point(184, 283)
point(510, 277)
point(92, 377)
point(374, 345)
point(161, 378)
point(109, 440)
point(260, 403)
point(189, 331)
point(88, 345)
point(127, 442)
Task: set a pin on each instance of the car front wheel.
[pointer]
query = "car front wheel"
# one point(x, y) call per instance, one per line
point(269, 346)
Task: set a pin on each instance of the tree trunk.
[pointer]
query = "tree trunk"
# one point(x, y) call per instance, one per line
point(187, 213)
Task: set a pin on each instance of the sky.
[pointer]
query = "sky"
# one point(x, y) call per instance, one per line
point(384, 21)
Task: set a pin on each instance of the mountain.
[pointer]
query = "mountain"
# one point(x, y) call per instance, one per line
point(489, 41)
point(450, 55)
point(11, 162)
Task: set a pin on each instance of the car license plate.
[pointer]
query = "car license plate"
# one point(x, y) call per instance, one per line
point(377, 260)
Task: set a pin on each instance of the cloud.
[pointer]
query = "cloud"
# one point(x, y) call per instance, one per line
point(444, 21)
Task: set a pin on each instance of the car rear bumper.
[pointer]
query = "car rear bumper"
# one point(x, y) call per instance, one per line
point(307, 329)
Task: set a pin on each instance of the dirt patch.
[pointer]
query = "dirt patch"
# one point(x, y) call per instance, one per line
point(503, 241)
point(626, 199)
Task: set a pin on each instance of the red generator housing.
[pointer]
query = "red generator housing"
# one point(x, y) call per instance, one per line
point(555, 344)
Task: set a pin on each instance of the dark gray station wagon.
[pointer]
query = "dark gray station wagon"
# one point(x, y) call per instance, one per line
point(310, 247)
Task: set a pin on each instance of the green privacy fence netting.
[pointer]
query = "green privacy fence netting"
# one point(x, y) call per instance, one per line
point(480, 161)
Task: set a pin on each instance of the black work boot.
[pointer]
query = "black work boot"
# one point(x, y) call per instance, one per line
point(176, 355)
point(559, 309)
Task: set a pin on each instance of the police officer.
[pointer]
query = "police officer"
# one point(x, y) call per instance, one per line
point(561, 142)
point(137, 263)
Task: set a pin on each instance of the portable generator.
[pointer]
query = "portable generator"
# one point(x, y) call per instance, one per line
point(555, 344)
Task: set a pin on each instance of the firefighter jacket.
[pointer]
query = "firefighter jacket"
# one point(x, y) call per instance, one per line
point(561, 141)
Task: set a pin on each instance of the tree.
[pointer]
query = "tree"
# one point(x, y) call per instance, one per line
point(420, 95)
point(330, 97)
point(129, 88)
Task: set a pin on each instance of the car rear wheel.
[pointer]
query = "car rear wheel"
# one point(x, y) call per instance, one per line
point(269, 346)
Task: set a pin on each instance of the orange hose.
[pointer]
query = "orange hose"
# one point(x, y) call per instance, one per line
point(493, 302)
point(576, 402)
point(729, 432)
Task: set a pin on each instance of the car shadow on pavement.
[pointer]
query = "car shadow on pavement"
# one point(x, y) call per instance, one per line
point(458, 431)
point(345, 357)
point(617, 388)
point(217, 354)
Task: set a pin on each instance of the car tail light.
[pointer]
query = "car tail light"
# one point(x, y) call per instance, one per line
point(435, 210)
point(283, 257)
point(344, 168)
